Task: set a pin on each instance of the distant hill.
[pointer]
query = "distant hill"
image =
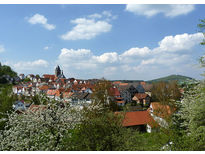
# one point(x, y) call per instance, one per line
point(179, 78)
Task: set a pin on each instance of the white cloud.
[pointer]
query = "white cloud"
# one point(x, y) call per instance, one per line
point(107, 57)
point(172, 56)
point(137, 52)
point(169, 10)
point(95, 15)
point(46, 48)
point(89, 27)
point(71, 54)
point(29, 65)
point(180, 42)
point(42, 20)
point(149, 61)
point(2, 49)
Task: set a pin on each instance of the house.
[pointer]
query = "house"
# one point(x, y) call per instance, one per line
point(132, 90)
point(161, 113)
point(148, 87)
point(67, 96)
point(142, 99)
point(140, 89)
point(19, 106)
point(117, 96)
point(139, 120)
point(42, 89)
point(21, 76)
point(78, 98)
point(17, 89)
point(51, 92)
point(30, 76)
point(125, 94)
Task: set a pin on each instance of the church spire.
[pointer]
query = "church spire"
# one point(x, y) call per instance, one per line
point(57, 71)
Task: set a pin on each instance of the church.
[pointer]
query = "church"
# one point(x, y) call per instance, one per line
point(59, 73)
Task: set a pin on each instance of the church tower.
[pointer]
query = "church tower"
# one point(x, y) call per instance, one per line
point(57, 71)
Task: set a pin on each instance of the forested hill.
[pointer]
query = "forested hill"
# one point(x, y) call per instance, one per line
point(6, 70)
point(7, 75)
point(179, 78)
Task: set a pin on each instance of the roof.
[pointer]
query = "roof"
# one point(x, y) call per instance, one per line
point(51, 92)
point(43, 87)
point(78, 95)
point(114, 91)
point(123, 84)
point(120, 102)
point(162, 110)
point(138, 118)
point(49, 76)
point(67, 94)
point(35, 108)
point(147, 87)
point(141, 95)
point(116, 82)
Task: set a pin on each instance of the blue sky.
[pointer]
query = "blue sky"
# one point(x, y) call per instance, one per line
point(94, 41)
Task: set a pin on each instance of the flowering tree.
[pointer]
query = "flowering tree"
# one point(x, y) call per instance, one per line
point(43, 128)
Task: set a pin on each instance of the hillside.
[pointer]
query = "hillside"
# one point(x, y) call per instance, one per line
point(179, 78)
point(6, 73)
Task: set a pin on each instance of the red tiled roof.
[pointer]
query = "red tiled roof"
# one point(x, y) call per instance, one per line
point(143, 83)
point(138, 118)
point(114, 91)
point(123, 84)
point(116, 82)
point(49, 76)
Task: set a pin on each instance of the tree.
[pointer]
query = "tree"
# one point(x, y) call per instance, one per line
point(165, 92)
point(188, 123)
point(43, 129)
point(6, 102)
point(6, 70)
point(201, 27)
point(103, 97)
point(26, 80)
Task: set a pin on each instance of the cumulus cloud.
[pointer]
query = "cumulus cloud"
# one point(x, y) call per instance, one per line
point(169, 10)
point(42, 20)
point(107, 57)
point(29, 66)
point(89, 27)
point(137, 52)
point(2, 49)
point(180, 42)
point(172, 56)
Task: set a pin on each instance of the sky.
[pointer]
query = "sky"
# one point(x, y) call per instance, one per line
point(115, 41)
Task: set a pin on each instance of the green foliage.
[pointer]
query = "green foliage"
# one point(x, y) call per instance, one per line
point(201, 26)
point(26, 80)
point(103, 97)
point(43, 129)
point(188, 123)
point(166, 93)
point(6, 102)
point(6, 70)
